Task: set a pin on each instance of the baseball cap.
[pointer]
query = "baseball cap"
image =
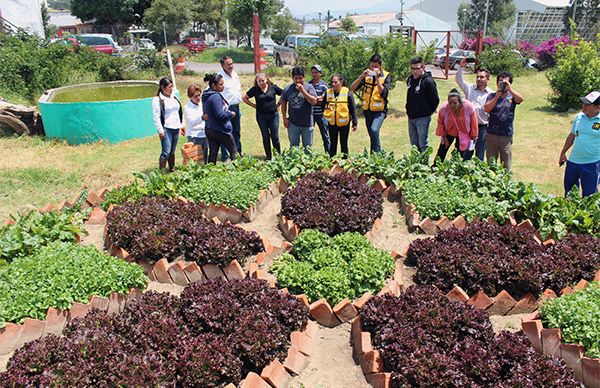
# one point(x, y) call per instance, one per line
point(592, 98)
point(317, 68)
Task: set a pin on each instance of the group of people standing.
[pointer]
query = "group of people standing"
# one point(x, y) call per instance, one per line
point(480, 121)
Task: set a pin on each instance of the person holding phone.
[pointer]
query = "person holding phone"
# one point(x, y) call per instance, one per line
point(376, 83)
point(501, 107)
point(297, 101)
point(583, 164)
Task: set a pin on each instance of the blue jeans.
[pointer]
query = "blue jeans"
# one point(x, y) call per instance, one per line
point(203, 142)
point(480, 145)
point(374, 121)
point(237, 128)
point(588, 175)
point(269, 129)
point(169, 143)
point(295, 132)
point(418, 132)
point(321, 121)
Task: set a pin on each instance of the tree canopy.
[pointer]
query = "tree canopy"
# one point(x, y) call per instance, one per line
point(176, 14)
point(283, 24)
point(109, 11)
point(501, 15)
point(241, 11)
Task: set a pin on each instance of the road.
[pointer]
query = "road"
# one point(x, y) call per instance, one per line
point(205, 68)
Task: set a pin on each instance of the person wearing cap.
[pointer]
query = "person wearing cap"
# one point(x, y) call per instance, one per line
point(477, 94)
point(457, 120)
point(583, 164)
point(377, 83)
point(317, 110)
point(501, 107)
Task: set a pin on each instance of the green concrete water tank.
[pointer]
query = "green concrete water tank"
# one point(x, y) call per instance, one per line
point(110, 111)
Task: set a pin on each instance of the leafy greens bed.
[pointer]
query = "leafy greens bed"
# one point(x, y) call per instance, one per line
point(213, 335)
point(334, 268)
point(428, 341)
point(495, 258)
point(155, 227)
point(58, 275)
point(237, 184)
point(332, 204)
point(577, 315)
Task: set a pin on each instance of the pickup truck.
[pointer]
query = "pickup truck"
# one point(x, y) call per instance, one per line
point(287, 53)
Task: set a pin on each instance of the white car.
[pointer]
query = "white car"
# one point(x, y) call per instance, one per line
point(144, 44)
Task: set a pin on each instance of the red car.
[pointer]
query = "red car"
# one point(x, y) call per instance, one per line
point(194, 44)
point(103, 43)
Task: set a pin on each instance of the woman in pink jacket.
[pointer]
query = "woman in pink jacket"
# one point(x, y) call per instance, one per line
point(457, 121)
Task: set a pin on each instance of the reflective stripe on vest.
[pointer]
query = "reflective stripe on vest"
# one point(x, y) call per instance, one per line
point(336, 109)
point(372, 99)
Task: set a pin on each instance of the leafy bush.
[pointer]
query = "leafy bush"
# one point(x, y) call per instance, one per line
point(576, 73)
point(59, 274)
point(577, 315)
point(546, 51)
point(237, 184)
point(501, 59)
point(162, 340)
point(345, 266)
point(332, 204)
point(35, 230)
point(495, 258)
point(155, 227)
point(427, 340)
point(295, 162)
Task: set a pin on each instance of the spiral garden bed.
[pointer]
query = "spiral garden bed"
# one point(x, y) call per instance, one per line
point(358, 280)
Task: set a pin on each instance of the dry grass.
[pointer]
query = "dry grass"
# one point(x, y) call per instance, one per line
point(35, 171)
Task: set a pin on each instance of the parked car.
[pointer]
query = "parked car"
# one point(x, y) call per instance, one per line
point(287, 53)
point(143, 44)
point(529, 63)
point(103, 43)
point(194, 45)
point(454, 58)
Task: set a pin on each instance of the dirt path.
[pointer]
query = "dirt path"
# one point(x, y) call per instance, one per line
point(267, 221)
point(331, 365)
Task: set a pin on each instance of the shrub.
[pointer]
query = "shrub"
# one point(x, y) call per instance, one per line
point(156, 340)
point(495, 258)
point(295, 162)
point(427, 340)
point(546, 51)
point(154, 227)
point(577, 315)
point(332, 204)
point(575, 73)
point(345, 266)
point(59, 274)
point(502, 59)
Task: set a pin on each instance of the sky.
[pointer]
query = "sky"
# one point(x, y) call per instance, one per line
point(299, 7)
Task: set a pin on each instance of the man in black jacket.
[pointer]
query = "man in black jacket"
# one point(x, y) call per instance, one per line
point(421, 101)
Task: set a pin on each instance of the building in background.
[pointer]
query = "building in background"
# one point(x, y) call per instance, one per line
point(538, 20)
point(25, 14)
point(69, 23)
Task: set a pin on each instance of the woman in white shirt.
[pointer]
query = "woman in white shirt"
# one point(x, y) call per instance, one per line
point(194, 124)
point(168, 119)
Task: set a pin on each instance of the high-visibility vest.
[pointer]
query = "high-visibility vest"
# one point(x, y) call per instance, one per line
point(336, 109)
point(372, 99)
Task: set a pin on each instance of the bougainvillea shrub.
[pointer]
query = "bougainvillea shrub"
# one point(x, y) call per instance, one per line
point(332, 204)
point(213, 335)
point(495, 258)
point(426, 340)
point(154, 227)
point(577, 315)
point(333, 268)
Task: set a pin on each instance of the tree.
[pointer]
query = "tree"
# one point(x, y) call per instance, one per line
point(208, 15)
point(462, 12)
point(105, 11)
point(49, 29)
point(283, 25)
point(347, 24)
point(176, 14)
point(501, 15)
point(241, 11)
point(586, 18)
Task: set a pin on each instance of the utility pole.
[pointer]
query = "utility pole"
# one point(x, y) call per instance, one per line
point(227, 25)
point(328, 17)
point(487, 6)
point(574, 9)
point(401, 12)
point(320, 23)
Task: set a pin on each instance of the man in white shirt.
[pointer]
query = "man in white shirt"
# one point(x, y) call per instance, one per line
point(233, 95)
point(477, 94)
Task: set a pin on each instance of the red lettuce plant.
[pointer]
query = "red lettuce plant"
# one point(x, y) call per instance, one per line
point(162, 340)
point(332, 204)
point(495, 258)
point(155, 227)
point(427, 340)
